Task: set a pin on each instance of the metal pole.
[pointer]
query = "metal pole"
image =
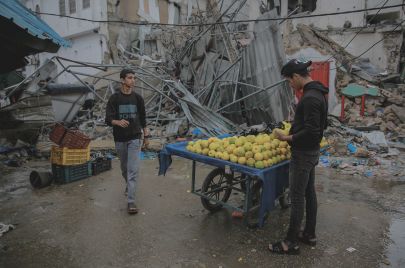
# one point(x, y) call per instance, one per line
point(158, 91)
point(86, 85)
point(227, 69)
point(204, 32)
point(193, 178)
point(95, 76)
point(252, 94)
point(158, 113)
point(84, 64)
point(27, 78)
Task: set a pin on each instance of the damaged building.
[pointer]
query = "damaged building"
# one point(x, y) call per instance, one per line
point(213, 65)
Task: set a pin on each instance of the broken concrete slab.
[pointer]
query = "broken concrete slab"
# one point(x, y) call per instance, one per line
point(399, 112)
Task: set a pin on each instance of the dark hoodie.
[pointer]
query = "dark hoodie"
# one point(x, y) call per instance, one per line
point(310, 118)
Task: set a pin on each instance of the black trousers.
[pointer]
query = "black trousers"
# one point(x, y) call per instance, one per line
point(302, 191)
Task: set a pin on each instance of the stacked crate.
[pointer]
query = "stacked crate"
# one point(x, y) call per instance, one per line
point(71, 158)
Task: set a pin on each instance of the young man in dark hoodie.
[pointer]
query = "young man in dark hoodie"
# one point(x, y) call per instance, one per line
point(125, 112)
point(306, 132)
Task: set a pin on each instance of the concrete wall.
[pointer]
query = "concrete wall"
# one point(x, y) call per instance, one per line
point(157, 10)
point(357, 19)
point(384, 55)
point(89, 39)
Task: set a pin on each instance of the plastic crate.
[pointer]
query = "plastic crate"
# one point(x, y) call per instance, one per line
point(100, 165)
point(66, 174)
point(57, 133)
point(72, 139)
point(65, 156)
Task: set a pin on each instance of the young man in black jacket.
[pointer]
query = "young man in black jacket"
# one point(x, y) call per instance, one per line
point(125, 112)
point(306, 132)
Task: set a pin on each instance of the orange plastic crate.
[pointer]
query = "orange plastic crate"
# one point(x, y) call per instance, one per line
point(65, 156)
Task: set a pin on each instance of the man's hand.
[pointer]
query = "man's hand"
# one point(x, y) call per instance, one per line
point(280, 135)
point(121, 123)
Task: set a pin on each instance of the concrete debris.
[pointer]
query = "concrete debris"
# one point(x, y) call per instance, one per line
point(205, 81)
point(4, 228)
point(193, 77)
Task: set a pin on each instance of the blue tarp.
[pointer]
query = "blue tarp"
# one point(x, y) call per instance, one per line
point(27, 20)
point(274, 178)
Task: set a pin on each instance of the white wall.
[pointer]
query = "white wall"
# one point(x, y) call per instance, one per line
point(67, 27)
point(360, 44)
point(88, 39)
point(380, 55)
point(357, 19)
point(329, 6)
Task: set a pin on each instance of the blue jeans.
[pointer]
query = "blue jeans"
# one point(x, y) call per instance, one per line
point(302, 191)
point(129, 154)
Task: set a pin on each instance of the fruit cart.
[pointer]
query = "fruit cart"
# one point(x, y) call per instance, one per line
point(262, 188)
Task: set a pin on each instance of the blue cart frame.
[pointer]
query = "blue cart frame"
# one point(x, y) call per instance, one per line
point(274, 180)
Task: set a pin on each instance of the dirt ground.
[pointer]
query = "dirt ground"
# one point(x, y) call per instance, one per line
point(85, 223)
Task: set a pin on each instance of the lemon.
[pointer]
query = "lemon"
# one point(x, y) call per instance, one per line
point(256, 149)
point(259, 164)
point(230, 148)
point(218, 155)
point(248, 146)
point(239, 142)
point(242, 160)
point(204, 144)
point(258, 156)
point(250, 138)
point(249, 154)
point(266, 155)
point(240, 151)
point(225, 156)
point(205, 151)
point(233, 158)
point(250, 162)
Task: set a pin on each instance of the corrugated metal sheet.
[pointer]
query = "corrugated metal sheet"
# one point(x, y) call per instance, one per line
point(209, 122)
point(27, 20)
point(261, 64)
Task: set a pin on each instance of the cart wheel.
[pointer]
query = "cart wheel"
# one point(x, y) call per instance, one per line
point(285, 199)
point(253, 214)
point(214, 183)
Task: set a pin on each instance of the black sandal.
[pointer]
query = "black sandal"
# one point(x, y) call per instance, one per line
point(132, 209)
point(293, 248)
point(306, 238)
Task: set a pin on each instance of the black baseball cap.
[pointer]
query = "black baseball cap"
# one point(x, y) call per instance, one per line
point(295, 66)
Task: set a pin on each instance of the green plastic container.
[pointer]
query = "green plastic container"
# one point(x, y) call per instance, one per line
point(66, 174)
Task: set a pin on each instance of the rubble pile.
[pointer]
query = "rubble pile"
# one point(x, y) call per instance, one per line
point(206, 80)
point(364, 153)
